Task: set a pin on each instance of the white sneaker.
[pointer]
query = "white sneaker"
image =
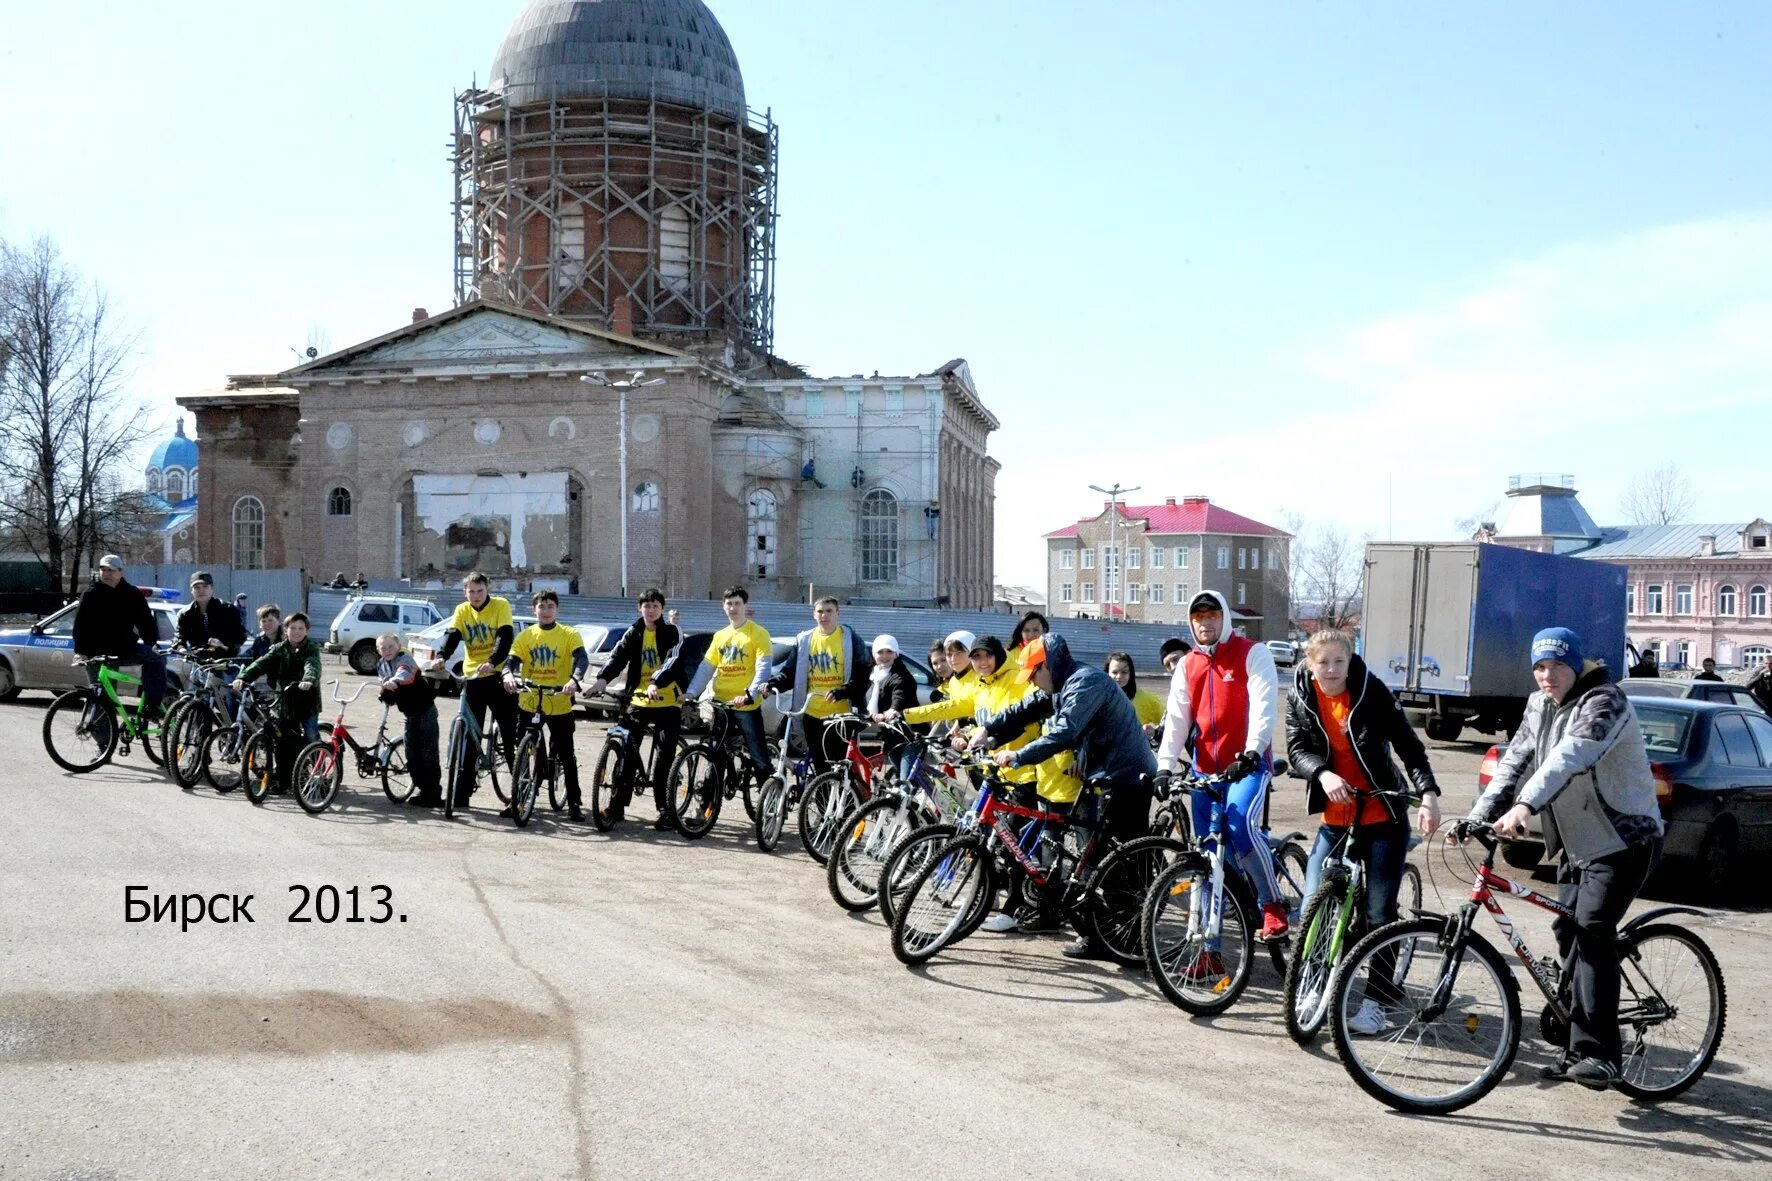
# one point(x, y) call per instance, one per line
point(1001, 921)
point(1370, 1021)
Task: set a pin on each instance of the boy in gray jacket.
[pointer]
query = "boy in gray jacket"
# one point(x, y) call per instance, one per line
point(1578, 763)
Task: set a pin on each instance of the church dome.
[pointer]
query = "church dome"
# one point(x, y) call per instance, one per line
point(176, 452)
point(671, 50)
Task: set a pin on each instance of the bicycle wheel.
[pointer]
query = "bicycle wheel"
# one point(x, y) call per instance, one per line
point(1201, 965)
point(1116, 894)
point(315, 776)
point(1322, 930)
point(906, 862)
point(171, 717)
point(771, 815)
point(258, 770)
point(528, 765)
point(461, 752)
point(1671, 1011)
point(606, 804)
point(1290, 864)
point(866, 838)
point(184, 751)
point(827, 800)
point(694, 794)
point(492, 760)
point(943, 899)
point(221, 758)
point(80, 731)
point(1452, 1021)
point(396, 776)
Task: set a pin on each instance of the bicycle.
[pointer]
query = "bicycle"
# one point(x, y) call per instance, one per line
point(1455, 1004)
point(534, 760)
point(258, 760)
point(468, 741)
point(785, 787)
point(200, 710)
point(1100, 880)
point(706, 773)
point(871, 833)
point(221, 761)
point(86, 727)
point(319, 766)
point(1196, 913)
point(618, 765)
point(1332, 920)
point(835, 793)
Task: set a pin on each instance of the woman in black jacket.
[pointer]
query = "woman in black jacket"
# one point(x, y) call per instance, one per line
point(891, 690)
point(1341, 726)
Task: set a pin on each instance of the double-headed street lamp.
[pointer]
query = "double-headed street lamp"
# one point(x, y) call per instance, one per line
point(622, 385)
point(1113, 494)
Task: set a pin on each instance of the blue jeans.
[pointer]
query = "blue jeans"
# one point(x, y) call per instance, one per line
point(1244, 803)
point(750, 728)
point(1381, 849)
point(153, 662)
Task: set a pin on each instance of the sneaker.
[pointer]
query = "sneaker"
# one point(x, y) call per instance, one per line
point(663, 824)
point(1085, 948)
point(1207, 967)
point(1034, 920)
point(1273, 923)
point(1557, 1071)
point(1593, 1074)
point(573, 812)
point(999, 922)
point(507, 811)
point(1370, 1020)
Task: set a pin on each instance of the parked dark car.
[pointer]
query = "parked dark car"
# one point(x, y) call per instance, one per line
point(1713, 778)
point(1723, 691)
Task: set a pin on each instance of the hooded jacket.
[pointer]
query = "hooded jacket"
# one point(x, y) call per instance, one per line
point(1582, 767)
point(1376, 726)
point(1090, 715)
point(1231, 691)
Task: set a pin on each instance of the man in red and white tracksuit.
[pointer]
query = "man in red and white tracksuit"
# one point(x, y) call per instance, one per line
point(1227, 687)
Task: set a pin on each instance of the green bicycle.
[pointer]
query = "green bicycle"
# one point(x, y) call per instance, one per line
point(85, 728)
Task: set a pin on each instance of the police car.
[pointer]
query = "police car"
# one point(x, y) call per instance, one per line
point(42, 656)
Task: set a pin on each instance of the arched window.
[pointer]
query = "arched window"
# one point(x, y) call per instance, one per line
point(1756, 600)
point(760, 528)
point(1754, 655)
point(338, 502)
point(879, 537)
point(673, 249)
point(1725, 600)
point(249, 533)
point(154, 482)
point(175, 484)
point(646, 498)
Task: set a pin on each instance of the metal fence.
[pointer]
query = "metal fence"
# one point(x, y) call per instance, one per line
point(282, 587)
point(914, 628)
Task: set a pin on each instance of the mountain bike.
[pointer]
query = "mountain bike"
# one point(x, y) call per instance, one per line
point(837, 792)
point(786, 785)
point(221, 761)
point(1453, 1009)
point(535, 760)
point(619, 766)
point(86, 728)
point(708, 771)
point(1332, 920)
point(204, 707)
point(259, 771)
point(869, 835)
point(469, 742)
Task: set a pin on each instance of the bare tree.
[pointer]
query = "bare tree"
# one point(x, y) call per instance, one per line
point(1468, 527)
point(1660, 496)
point(1330, 575)
point(65, 426)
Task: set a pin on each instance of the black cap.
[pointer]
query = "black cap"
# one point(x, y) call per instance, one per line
point(204, 577)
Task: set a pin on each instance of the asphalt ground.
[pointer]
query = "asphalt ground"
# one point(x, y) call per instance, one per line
point(558, 1003)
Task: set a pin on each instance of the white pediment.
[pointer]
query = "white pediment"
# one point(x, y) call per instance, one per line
point(492, 335)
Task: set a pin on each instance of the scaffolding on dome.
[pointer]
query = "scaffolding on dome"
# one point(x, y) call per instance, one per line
point(641, 215)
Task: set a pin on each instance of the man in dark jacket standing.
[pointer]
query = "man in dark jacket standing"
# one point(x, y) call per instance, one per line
point(642, 650)
point(208, 622)
point(1760, 685)
point(114, 620)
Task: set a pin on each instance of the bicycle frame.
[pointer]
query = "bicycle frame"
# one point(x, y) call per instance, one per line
point(1483, 892)
point(340, 735)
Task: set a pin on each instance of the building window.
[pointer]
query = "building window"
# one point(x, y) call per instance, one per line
point(1756, 600)
point(1683, 599)
point(1110, 558)
point(1754, 655)
point(569, 251)
point(1630, 598)
point(1181, 558)
point(1242, 558)
point(673, 249)
point(1065, 560)
point(1725, 600)
point(814, 404)
point(1156, 594)
point(1132, 590)
point(1064, 592)
point(1242, 594)
point(338, 502)
point(879, 537)
point(760, 527)
point(1224, 557)
point(154, 484)
point(1757, 541)
point(1089, 592)
point(646, 498)
point(1273, 558)
point(175, 484)
point(1683, 653)
point(1088, 559)
point(1654, 605)
point(1157, 555)
point(249, 533)
point(1134, 557)
point(894, 401)
point(1181, 594)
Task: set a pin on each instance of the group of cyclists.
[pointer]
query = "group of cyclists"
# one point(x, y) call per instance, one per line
point(1051, 725)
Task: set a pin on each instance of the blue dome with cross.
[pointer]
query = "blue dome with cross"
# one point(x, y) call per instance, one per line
point(172, 468)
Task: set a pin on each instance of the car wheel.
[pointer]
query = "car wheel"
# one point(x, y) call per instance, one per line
point(8, 681)
point(364, 657)
point(1444, 729)
point(1716, 860)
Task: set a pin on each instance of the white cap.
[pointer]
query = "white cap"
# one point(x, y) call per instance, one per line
point(963, 638)
point(110, 561)
point(885, 643)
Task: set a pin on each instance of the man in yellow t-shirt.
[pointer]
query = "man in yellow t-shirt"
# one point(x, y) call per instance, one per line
point(639, 654)
point(550, 653)
point(828, 674)
point(483, 622)
point(737, 662)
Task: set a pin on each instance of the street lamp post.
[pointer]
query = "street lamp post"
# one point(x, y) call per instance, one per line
point(621, 386)
point(1113, 494)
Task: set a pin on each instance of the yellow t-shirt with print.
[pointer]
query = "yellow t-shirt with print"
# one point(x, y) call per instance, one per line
point(650, 660)
point(734, 653)
point(545, 656)
point(479, 629)
point(824, 672)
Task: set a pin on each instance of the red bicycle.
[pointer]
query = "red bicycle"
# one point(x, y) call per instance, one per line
point(319, 767)
point(834, 794)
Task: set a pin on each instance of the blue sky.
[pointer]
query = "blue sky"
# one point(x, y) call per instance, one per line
point(1361, 261)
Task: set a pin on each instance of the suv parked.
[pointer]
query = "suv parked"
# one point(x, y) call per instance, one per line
point(354, 629)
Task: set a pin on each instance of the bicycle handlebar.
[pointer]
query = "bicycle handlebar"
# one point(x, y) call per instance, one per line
point(351, 698)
